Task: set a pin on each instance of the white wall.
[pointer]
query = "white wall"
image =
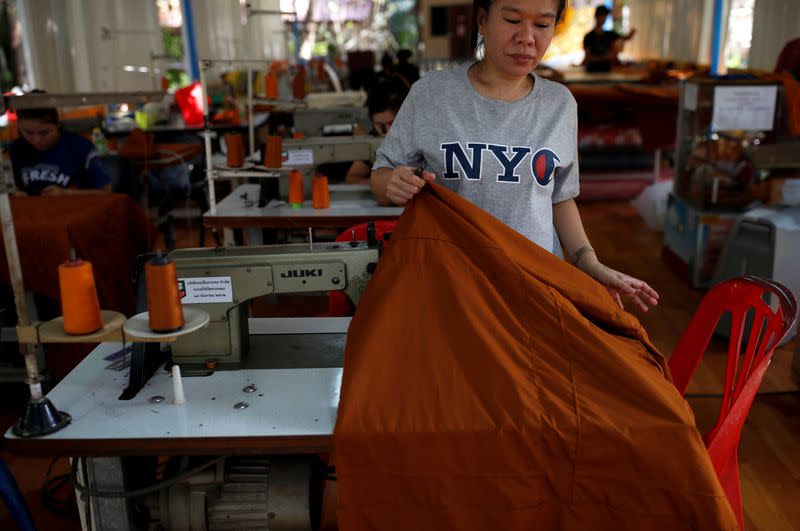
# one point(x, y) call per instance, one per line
point(219, 32)
point(775, 22)
point(67, 52)
point(675, 29)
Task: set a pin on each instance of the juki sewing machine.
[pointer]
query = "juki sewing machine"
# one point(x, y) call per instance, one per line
point(222, 281)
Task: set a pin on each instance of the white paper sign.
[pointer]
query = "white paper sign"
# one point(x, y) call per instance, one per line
point(298, 157)
point(747, 108)
point(205, 290)
point(690, 92)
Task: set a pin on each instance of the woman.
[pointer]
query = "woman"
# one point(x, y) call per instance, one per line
point(49, 161)
point(502, 137)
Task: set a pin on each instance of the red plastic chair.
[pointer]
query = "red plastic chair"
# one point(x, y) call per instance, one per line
point(338, 303)
point(744, 370)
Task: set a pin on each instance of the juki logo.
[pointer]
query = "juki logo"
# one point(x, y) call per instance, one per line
point(543, 164)
point(302, 273)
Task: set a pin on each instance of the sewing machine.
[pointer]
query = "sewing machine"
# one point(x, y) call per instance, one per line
point(330, 121)
point(221, 281)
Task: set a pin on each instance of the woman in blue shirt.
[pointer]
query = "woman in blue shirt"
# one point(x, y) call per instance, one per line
point(50, 161)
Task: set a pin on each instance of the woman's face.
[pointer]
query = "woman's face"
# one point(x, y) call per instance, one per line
point(40, 134)
point(382, 121)
point(516, 34)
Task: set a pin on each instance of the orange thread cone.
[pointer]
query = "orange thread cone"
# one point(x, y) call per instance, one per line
point(79, 304)
point(164, 308)
point(320, 196)
point(296, 195)
point(272, 152)
point(235, 150)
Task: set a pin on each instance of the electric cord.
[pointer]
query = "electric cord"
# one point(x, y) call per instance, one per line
point(155, 487)
point(64, 505)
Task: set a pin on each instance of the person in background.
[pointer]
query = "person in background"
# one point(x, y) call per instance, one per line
point(385, 73)
point(789, 59)
point(601, 46)
point(50, 161)
point(519, 129)
point(405, 67)
point(383, 105)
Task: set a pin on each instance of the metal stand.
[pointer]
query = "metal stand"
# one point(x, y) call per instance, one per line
point(146, 358)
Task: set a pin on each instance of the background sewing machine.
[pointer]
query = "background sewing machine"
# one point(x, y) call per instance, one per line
point(330, 121)
point(307, 154)
point(222, 281)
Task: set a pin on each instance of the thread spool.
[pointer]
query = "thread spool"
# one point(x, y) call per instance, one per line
point(299, 83)
point(79, 304)
point(271, 85)
point(296, 195)
point(163, 298)
point(272, 152)
point(298, 136)
point(320, 196)
point(235, 150)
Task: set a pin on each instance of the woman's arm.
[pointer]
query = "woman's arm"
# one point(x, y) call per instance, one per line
point(568, 224)
point(57, 190)
point(358, 173)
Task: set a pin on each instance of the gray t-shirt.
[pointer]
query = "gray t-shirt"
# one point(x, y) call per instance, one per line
point(514, 160)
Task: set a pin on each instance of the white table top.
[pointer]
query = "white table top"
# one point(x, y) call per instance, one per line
point(233, 206)
point(288, 403)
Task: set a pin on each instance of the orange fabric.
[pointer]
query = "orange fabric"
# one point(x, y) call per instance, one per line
point(108, 230)
point(489, 385)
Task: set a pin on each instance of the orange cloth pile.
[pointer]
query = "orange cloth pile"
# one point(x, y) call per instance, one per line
point(489, 385)
point(108, 230)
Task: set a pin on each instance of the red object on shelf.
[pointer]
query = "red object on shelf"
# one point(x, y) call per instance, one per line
point(190, 102)
point(743, 374)
point(338, 303)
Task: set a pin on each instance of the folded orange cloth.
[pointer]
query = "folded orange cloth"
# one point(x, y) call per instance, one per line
point(490, 385)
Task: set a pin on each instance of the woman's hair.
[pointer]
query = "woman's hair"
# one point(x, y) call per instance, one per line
point(47, 115)
point(561, 6)
point(387, 96)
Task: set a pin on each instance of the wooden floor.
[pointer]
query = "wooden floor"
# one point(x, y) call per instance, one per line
point(769, 451)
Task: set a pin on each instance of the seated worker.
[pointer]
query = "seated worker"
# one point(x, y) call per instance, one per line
point(50, 161)
point(602, 46)
point(383, 106)
point(405, 67)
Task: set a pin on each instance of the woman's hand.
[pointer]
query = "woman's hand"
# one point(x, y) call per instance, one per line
point(619, 284)
point(54, 190)
point(403, 184)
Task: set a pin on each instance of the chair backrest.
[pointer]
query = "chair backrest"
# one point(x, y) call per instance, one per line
point(338, 303)
point(744, 299)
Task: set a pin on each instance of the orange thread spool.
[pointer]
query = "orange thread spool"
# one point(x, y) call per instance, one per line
point(320, 196)
point(235, 150)
point(272, 152)
point(299, 83)
point(271, 85)
point(163, 298)
point(296, 195)
point(79, 304)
